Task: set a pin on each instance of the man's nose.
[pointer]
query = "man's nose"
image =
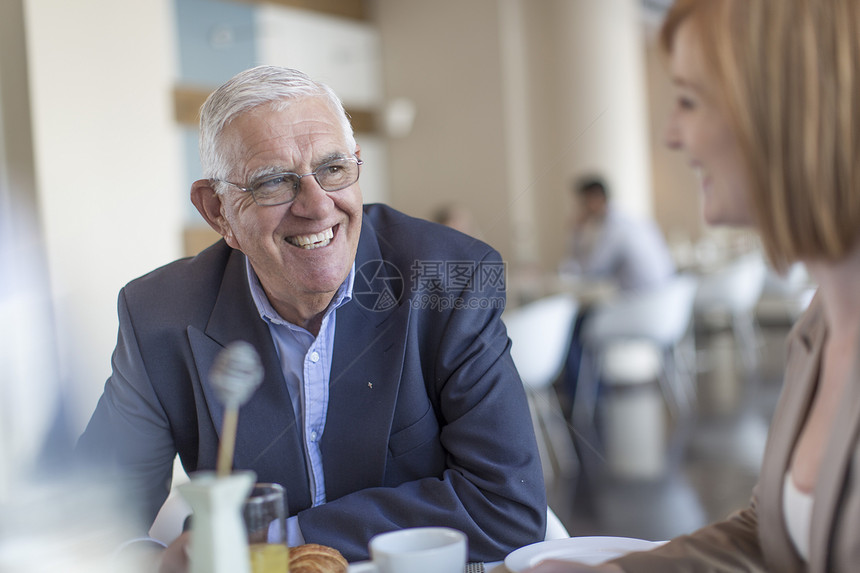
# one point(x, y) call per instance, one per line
point(312, 200)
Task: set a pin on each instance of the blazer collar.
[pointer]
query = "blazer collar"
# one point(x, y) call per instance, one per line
point(811, 329)
point(838, 454)
point(266, 421)
point(807, 341)
point(369, 349)
point(801, 376)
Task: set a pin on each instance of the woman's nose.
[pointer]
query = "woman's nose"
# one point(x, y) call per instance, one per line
point(671, 134)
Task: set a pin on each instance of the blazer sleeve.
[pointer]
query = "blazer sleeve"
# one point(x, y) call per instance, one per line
point(728, 545)
point(489, 483)
point(128, 438)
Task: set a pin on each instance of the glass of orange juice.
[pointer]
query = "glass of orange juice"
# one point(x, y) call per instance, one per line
point(264, 513)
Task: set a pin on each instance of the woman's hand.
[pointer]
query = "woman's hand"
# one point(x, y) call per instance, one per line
point(555, 566)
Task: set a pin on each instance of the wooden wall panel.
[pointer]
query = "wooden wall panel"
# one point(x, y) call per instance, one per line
point(186, 104)
point(196, 238)
point(188, 99)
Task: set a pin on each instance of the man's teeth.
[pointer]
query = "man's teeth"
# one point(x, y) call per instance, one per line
point(314, 240)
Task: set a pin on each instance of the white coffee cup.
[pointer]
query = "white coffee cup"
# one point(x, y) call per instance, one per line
point(416, 550)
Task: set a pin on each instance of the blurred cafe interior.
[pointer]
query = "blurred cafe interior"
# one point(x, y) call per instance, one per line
point(496, 106)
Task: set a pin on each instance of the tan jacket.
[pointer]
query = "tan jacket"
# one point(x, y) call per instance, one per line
point(755, 538)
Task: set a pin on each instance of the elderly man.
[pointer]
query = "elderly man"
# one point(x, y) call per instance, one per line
point(390, 399)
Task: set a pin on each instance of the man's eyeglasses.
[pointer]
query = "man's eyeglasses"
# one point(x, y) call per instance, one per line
point(280, 188)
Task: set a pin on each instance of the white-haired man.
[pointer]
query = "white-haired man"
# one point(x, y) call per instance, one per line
point(390, 399)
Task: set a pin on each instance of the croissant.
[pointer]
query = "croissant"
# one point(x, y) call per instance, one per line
point(314, 558)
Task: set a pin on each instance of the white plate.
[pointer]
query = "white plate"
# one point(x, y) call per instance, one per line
point(589, 550)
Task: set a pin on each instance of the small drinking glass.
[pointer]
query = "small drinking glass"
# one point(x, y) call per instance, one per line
point(264, 513)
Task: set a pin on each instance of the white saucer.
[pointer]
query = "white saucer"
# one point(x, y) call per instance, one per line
point(589, 550)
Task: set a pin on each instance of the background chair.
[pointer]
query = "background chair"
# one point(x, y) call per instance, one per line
point(785, 296)
point(661, 316)
point(540, 334)
point(171, 517)
point(615, 339)
point(555, 529)
point(633, 412)
point(729, 295)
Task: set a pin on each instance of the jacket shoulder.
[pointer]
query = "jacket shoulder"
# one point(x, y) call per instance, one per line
point(183, 284)
point(399, 233)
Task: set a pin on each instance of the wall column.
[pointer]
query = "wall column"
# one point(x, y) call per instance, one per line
point(583, 70)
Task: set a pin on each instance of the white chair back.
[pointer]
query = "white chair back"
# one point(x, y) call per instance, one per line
point(555, 529)
point(661, 315)
point(734, 289)
point(540, 334)
point(732, 293)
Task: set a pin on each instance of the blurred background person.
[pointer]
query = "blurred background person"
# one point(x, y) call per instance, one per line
point(610, 252)
point(458, 217)
point(609, 244)
point(765, 111)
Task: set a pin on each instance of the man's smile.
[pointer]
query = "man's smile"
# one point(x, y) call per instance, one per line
point(312, 241)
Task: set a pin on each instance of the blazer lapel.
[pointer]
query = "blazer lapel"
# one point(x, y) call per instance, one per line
point(369, 349)
point(829, 489)
point(266, 439)
point(801, 378)
point(364, 384)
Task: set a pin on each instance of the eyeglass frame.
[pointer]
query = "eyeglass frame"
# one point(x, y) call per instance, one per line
point(358, 163)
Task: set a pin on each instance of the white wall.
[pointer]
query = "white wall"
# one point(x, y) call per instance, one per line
point(107, 165)
point(444, 56)
point(587, 108)
point(603, 89)
point(346, 55)
point(516, 99)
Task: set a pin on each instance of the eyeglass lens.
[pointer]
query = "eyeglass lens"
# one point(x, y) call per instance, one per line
point(283, 187)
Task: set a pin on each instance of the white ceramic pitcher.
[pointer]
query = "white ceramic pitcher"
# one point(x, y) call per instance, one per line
point(219, 542)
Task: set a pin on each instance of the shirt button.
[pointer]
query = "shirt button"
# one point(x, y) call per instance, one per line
point(313, 436)
point(315, 356)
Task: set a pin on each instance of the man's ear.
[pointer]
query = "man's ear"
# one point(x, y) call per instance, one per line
point(208, 203)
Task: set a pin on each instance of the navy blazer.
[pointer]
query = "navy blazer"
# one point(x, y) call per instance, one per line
point(427, 419)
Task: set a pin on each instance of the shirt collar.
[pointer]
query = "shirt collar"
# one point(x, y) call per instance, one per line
point(269, 314)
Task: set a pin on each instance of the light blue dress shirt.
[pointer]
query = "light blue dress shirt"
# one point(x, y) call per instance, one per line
point(306, 365)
